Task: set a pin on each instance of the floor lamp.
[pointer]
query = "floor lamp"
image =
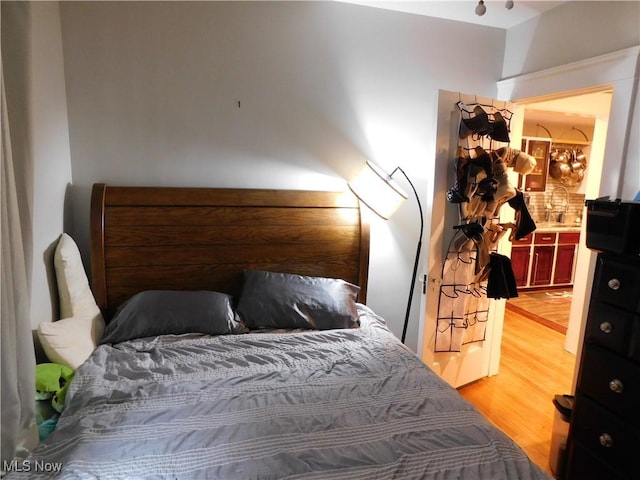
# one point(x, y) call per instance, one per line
point(379, 191)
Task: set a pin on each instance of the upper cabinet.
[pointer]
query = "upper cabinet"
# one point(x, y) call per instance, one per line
point(539, 148)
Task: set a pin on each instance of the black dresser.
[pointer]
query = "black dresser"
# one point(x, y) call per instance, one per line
point(604, 436)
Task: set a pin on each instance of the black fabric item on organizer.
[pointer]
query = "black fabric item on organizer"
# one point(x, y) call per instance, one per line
point(456, 194)
point(501, 282)
point(471, 230)
point(499, 130)
point(524, 223)
point(484, 160)
point(478, 124)
point(487, 187)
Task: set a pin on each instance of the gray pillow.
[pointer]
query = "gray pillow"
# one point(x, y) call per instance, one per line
point(281, 300)
point(164, 312)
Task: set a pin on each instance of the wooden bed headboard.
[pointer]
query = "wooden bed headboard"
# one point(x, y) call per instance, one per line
point(159, 238)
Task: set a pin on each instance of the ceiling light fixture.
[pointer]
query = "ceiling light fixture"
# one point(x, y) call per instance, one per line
point(481, 9)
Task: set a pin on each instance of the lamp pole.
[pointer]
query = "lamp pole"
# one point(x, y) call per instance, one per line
point(417, 259)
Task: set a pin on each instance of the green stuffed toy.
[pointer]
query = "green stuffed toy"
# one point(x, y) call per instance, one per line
point(52, 382)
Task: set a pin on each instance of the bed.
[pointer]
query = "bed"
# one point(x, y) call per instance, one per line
point(332, 399)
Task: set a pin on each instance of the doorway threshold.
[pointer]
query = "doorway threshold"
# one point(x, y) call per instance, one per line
point(549, 308)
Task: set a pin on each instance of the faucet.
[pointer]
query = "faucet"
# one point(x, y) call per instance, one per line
point(564, 202)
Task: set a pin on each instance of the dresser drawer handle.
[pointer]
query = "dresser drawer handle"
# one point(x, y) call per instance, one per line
point(616, 386)
point(614, 284)
point(606, 440)
point(606, 327)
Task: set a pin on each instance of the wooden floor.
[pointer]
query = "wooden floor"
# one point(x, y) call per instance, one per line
point(534, 367)
point(551, 308)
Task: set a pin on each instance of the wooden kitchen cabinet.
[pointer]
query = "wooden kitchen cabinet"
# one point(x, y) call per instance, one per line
point(544, 259)
point(520, 259)
point(565, 258)
point(539, 148)
point(564, 264)
point(543, 253)
point(542, 265)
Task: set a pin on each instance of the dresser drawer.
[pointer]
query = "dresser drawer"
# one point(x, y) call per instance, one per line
point(612, 381)
point(606, 437)
point(617, 282)
point(634, 343)
point(611, 327)
point(584, 465)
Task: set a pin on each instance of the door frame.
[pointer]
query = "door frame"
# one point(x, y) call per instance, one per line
point(616, 71)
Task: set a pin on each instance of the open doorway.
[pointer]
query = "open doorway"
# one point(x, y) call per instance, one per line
point(614, 72)
point(535, 364)
point(567, 136)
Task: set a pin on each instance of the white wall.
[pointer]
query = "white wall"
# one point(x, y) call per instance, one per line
point(40, 135)
point(573, 31)
point(630, 177)
point(51, 153)
point(153, 92)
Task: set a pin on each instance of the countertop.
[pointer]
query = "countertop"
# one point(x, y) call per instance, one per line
point(557, 227)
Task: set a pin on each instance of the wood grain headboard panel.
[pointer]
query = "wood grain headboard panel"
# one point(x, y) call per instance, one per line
point(145, 238)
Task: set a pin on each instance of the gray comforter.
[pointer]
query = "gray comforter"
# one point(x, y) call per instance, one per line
point(338, 404)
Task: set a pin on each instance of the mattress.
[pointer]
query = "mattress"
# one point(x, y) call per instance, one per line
point(335, 404)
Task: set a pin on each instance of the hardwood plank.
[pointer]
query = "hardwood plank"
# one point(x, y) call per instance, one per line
point(549, 307)
point(534, 367)
point(542, 320)
point(249, 216)
point(137, 236)
point(188, 276)
point(153, 255)
point(178, 196)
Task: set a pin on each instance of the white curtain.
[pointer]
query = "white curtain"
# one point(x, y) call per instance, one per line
point(19, 432)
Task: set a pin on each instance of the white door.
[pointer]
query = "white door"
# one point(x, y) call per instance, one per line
point(476, 358)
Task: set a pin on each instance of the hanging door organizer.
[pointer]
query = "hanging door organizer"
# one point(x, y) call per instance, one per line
point(463, 307)
point(472, 271)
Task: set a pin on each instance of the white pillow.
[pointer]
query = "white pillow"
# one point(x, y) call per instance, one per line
point(72, 340)
point(76, 299)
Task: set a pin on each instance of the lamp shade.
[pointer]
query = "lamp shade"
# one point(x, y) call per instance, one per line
point(377, 190)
